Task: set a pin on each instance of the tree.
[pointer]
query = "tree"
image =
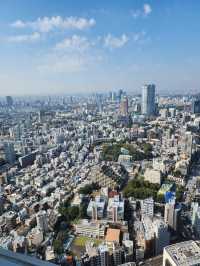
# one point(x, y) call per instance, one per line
point(58, 246)
point(177, 173)
point(138, 188)
point(147, 148)
point(160, 198)
point(73, 212)
point(179, 193)
point(88, 189)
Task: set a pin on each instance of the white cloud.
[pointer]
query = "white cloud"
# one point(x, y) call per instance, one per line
point(24, 38)
point(139, 36)
point(75, 43)
point(112, 42)
point(47, 24)
point(144, 12)
point(18, 24)
point(147, 9)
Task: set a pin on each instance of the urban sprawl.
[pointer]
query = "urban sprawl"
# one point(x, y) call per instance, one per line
point(106, 179)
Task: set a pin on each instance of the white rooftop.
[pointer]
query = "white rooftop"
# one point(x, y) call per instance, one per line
point(185, 253)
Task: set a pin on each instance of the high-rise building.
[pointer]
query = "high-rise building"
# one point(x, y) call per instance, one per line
point(113, 96)
point(148, 100)
point(124, 106)
point(147, 207)
point(162, 236)
point(118, 255)
point(104, 255)
point(16, 132)
point(171, 216)
point(9, 101)
point(183, 253)
point(186, 143)
point(9, 151)
point(196, 217)
point(42, 221)
point(120, 94)
point(96, 207)
point(41, 116)
point(196, 105)
point(115, 209)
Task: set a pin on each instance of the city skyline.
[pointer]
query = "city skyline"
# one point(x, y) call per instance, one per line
point(76, 47)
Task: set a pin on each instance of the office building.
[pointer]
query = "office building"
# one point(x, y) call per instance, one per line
point(124, 106)
point(196, 105)
point(42, 221)
point(196, 217)
point(182, 254)
point(9, 101)
point(148, 100)
point(147, 207)
point(9, 151)
point(187, 143)
point(90, 229)
point(96, 207)
point(118, 255)
point(104, 255)
point(115, 209)
point(162, 236)
point(171, 216)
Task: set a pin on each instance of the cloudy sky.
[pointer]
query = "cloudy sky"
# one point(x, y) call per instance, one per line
point(64, 46)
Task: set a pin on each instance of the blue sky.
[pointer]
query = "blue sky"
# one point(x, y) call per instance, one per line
point(63, 46)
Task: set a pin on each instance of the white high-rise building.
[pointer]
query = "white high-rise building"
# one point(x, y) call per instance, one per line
point(148, 100)
point(42, 221)
point(104, 255)
point(196, 217)
point(115, 209)
point(147, 207)
point(183, 253)
point(171, 214)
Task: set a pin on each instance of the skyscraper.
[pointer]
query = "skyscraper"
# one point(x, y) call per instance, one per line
point(9, 151)
point(196, 105)
point(148, 100)
point(171, 216)
point(124, 106)
point(162, 236)
point(9, 101)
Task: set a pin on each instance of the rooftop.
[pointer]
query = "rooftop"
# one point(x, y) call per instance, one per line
point(112, 235)
point(9, 258)
point(185, 253)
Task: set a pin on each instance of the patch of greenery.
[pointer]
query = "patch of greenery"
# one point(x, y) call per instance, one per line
point(58, 246)
point(69, 212)
point(111, 152)
point(81, 241)
point(140, 189)
point(88, 189)
point(147, 148)
point(179, 193)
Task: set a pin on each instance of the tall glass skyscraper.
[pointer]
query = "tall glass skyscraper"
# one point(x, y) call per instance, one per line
point(148, 100)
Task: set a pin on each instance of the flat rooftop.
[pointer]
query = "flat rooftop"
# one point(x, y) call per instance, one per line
point(9, 258)
point(185, 253)
point(112, 235)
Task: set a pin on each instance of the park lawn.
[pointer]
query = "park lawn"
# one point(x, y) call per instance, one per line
point(81, 241)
